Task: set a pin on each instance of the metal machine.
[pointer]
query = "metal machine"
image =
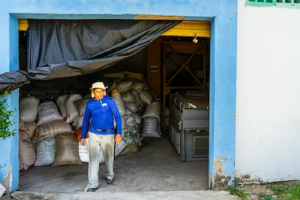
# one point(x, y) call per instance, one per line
point(189, 128)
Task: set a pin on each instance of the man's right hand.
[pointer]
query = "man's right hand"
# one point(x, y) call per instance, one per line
point(82, 142)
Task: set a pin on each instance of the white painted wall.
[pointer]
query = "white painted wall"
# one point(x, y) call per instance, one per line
point(268, 93)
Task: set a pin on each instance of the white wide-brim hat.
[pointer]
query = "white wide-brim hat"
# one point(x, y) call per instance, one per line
point(97, 85)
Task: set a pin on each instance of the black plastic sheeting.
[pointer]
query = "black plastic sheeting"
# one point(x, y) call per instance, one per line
point(65, 48)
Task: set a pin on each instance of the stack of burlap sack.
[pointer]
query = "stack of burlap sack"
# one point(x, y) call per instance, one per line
point(46, 137)
point(47, 126)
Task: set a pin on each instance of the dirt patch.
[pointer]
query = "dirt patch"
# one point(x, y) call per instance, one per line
point(222, 181)
point(220, 178)
point(253, 191)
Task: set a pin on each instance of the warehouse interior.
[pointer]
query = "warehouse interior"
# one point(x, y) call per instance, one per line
point(174, 69)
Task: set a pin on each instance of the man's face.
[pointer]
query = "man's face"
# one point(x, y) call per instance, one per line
point(98, 93)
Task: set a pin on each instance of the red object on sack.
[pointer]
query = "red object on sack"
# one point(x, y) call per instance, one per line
point(78, 133)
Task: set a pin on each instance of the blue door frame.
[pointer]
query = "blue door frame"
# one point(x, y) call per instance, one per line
point(222, 14)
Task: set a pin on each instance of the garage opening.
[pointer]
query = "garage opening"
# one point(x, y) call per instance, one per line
point(163, 94)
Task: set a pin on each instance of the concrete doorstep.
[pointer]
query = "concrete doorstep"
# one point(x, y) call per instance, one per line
point(146, 195)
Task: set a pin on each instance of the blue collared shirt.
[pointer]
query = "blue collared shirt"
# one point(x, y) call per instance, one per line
point(101, 114)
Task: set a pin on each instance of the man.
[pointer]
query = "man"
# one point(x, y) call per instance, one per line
point(100, 112)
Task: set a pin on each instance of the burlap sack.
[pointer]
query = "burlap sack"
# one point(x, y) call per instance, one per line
point(29, 130)
point(51, 129)
point(47, 112)
point(66, 150)
point(26, 153)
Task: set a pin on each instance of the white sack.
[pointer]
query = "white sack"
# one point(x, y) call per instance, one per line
point(120, 104)
point(146, 97)
point(80, 105)
point(130, 124)
point(132, 106)
point(72, 111)
point(137, 97)
point(45, 152)
point(2, 190)
point(28, 131)
point(124, 86)
point(136, 84)
point(48, 112)
point(51, 129)
point(150, 127)
point(127, 97)
point(28, 108)
point(152, 110)
point(114, 75)
point(137, 118)
point(119, 147)
point(128, 111)
point(130, 119)
point(78, 121)
point(84, 152)
point(61, 104)
point(26, 152)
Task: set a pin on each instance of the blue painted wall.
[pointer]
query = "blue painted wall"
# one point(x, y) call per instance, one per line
point(222, 13)
point(9, 148)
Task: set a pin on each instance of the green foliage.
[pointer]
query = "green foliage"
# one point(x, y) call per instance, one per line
point(266, 196)
point(287, 191)
point(3, 166)
point(237, 191)
point(5, 118)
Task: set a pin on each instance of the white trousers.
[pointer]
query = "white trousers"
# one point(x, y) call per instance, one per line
point(96, 143)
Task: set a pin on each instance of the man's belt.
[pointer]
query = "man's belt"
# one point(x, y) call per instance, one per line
point(103, 130)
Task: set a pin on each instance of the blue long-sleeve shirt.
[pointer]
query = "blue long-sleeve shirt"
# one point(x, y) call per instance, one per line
point(101, 113)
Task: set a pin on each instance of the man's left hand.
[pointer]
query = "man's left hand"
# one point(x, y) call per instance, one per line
point(118, 138)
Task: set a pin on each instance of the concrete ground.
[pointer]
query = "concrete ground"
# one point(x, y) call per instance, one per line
point(152, 174)
point(147, 195)
point(154, 168)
